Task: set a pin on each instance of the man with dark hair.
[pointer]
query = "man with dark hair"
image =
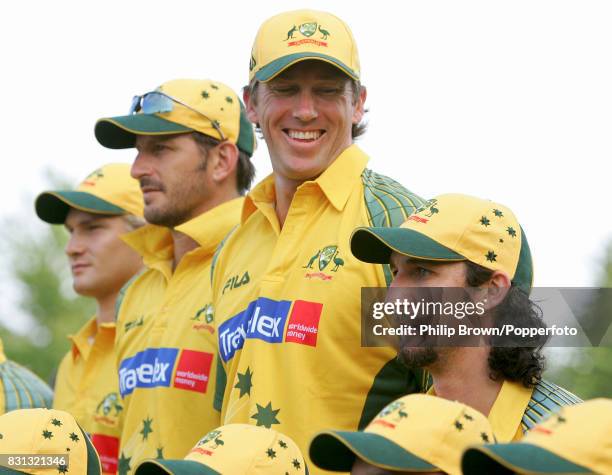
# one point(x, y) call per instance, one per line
point(193, 144)
point(286, 291)
point(461, 241)
point(105, 205)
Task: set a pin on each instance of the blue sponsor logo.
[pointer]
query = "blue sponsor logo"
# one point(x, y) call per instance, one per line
point(147, 369)
point(263, 319)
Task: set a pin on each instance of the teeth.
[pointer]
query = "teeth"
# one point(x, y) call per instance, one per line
point(308, 135)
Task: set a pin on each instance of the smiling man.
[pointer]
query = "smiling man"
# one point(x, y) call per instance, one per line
point(107, 204)
point(193, 146)
point(286, 289)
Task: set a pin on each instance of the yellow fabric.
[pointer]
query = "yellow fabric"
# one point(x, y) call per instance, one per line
point(165, 330)
point(86, 386)
point(308, 33)
point(245, 449)
point(316, 375)
point(114, 184)
point(507, 411)
point(434, 429)
point(580, 433)
point(482, 231)
point(46, 432)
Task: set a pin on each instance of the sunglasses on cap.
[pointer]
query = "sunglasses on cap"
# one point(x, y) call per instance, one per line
point(157, 102)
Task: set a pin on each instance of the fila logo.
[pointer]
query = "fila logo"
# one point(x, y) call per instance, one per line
point(237, 281)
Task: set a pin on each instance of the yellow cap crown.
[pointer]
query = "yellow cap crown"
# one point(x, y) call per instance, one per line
point(295, 36)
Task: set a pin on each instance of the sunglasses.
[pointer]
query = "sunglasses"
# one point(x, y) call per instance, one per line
point(157, 102)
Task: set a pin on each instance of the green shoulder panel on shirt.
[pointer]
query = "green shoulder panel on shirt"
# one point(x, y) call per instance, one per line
point(218, 251)
point(547, 398)
point(388, 204)
point(22, 388)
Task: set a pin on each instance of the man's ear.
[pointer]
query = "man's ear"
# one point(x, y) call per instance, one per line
point(224, 161)
point(360, 105)
point(497, 288)
point(249, 102)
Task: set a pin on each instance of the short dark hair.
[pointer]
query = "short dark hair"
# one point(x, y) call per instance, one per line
point(517, 363)
point(357, 130)
point(245, 170)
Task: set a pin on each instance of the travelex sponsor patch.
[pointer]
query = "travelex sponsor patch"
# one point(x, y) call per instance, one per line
point(265, 319)
point(155, 367)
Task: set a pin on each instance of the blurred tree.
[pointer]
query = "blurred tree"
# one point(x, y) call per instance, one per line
point(38, 263)
point(588, 371)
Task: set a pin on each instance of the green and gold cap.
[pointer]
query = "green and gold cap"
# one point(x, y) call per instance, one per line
point(417, 432)
point(108, 190)
point(200, 105)
point(454, 227)
point(234, 448)
point(291, 37)
point(575, 440)
point(50, 434)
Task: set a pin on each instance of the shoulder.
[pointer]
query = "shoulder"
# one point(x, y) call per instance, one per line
point(388, 203)
point(546, 398)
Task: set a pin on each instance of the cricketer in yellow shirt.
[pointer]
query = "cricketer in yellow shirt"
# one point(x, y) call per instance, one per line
point(193, 147)
point(106, 204)
point(287, 303)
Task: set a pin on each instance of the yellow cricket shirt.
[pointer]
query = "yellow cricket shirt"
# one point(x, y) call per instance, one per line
point(166, 341)
point(86, 386)
point(20, 388)
point(517, 408)
point(288, 310)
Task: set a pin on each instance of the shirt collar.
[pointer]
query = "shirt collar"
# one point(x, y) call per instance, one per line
point(155, 244)
point(508, 410)
point(336, 182)
point(81, 340)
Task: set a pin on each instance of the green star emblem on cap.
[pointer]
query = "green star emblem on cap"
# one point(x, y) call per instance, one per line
point(214, 86)
point(511, 231)
point(47, 434)
point(56, 422)
point(160, 453)
point(484, 437)
point(266, 416)
point(296, 464)
point(123, 467)
point(62, 468)
point(74, 437)
point(229, 100)
point(146, 428)
point(205, 94)
point(245, 382)
point(467, 417)
point(491, 256)
point(485, 221)
point(458, 426)
point(283, 444)
point(498, 213)
point(271, 453)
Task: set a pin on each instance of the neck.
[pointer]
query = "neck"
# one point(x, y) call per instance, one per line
point(464, 376)
point(106, 308)
point(182, 245)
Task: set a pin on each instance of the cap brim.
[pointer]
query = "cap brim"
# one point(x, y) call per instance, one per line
point(516, 458)
point(374, 245)
point(53, 206)
point(273, 69)
point(120, 132)
point(173, 467)
point(337, 451)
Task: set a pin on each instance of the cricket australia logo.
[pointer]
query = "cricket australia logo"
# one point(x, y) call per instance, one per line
point(108, 410)
point(212, 441)
point(394, 412)
point(93, 177)
point(425, 211)
point(204, 318)
point(323, 258)
point(307, 30)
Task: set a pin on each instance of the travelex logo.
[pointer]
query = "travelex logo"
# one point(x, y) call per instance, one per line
point(154, 367)
point(264, 319)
